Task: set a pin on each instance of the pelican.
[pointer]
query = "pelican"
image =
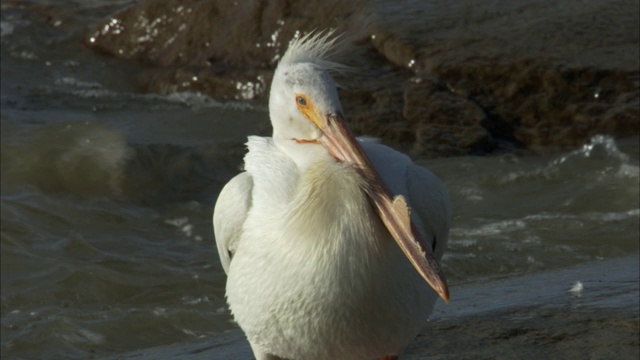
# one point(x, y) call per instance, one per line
point(330, 244)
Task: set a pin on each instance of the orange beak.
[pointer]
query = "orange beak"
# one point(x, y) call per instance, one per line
point(394, 212)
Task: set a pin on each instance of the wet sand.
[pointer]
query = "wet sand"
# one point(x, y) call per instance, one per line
point(529, 317)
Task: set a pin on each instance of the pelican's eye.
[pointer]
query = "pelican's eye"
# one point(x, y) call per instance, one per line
point(302, 101)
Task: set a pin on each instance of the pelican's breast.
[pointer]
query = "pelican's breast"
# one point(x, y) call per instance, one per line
point(318, 267)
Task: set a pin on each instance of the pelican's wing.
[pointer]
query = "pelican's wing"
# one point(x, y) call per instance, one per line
point(430, 206)
point(425, 193)
point(229, 214)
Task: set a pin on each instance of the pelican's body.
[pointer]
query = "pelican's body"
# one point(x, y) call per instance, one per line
point(313, 271)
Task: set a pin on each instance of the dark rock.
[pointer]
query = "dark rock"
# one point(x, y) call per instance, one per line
point(226, 45)
point(445, 123)
point(432, 78)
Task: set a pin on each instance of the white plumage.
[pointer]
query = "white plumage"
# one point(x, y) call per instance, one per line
point(304, 233)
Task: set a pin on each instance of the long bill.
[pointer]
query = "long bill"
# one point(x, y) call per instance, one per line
point(394, 212)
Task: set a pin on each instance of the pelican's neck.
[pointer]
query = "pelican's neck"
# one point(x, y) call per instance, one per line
point(303, 154)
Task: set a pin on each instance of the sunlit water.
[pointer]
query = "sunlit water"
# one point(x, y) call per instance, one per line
point(107, 198)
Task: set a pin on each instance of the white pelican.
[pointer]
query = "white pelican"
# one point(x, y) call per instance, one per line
point(306, 233)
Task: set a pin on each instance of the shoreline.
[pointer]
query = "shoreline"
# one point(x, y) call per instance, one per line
point(527, 317)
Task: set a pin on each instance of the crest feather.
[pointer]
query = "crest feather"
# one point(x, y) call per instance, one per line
point(315, 47)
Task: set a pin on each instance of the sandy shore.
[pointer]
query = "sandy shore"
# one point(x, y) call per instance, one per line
point(528, 317)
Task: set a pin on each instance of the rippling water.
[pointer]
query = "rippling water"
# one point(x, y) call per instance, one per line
point(107, 197)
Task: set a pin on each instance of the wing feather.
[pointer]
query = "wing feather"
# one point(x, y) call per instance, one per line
point(430, 205)
point(425, 193)
point(229, 215)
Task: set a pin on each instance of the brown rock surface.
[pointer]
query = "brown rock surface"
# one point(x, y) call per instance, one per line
point(435, 78)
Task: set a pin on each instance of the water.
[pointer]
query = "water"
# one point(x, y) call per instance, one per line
point(107, 198)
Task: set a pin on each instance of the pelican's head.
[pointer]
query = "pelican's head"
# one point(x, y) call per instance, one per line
point(304, 98)
point(308, 125)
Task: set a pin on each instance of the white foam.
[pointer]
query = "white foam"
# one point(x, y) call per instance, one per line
point(490, 229)
point(576, 289)
point(85, 336)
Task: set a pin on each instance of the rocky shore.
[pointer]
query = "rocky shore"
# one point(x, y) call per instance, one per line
point(433, 78)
